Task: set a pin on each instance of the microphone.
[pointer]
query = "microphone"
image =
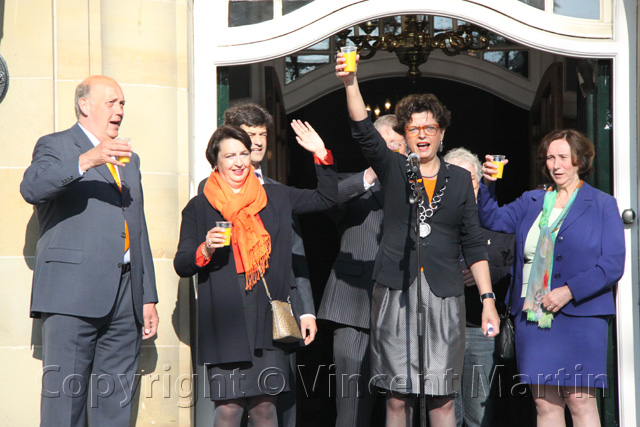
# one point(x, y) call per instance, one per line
point(415, 178)
point(414, 164)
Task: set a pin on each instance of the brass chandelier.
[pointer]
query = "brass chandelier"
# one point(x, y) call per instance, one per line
point(415, 42)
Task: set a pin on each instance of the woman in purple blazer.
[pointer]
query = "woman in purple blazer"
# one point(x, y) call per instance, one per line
point(569, 254)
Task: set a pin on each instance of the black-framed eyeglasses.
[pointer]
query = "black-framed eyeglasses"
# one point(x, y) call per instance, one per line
point(428, 130)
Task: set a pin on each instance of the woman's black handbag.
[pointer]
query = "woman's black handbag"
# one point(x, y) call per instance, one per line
point(506, 339)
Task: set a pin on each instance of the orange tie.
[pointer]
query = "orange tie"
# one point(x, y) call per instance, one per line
point(126, 227)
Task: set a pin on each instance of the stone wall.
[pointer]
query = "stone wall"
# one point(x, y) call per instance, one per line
point(49, 47)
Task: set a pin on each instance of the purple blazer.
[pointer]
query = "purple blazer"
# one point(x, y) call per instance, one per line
point(589, 250)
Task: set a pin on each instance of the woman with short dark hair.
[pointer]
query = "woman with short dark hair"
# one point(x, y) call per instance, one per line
point(246, 367)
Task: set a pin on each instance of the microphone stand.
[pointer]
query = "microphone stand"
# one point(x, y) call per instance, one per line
point(417, 187)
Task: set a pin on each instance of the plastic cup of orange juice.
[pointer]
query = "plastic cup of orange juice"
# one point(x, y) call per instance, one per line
point(124, 159)
point(394, 146)
point(227, 231)
point(498, 160)
point(349, 52)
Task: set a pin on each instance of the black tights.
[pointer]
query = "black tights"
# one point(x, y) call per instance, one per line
point(262, 411)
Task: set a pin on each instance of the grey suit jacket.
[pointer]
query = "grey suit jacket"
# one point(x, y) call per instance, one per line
point(347, 295)
point(80, 250)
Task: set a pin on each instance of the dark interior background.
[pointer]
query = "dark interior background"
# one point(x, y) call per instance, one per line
point(481, 122)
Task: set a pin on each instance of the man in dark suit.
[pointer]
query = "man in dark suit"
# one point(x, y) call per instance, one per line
point(256, 121)
point(94, 283)
point(347, 297)
point(476, 402)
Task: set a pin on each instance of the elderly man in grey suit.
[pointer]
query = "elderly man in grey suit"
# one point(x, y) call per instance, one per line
point(94, 283)
point(347, 296)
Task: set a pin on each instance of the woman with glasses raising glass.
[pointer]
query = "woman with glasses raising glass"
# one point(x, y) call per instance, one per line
point(448, 222)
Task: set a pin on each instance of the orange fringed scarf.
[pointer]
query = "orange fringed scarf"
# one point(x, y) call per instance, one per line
point(241, 209)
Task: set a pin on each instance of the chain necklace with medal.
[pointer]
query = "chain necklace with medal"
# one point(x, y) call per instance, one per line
point(427, 212)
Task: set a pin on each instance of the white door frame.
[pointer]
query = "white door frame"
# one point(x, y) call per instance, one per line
point(216, 45)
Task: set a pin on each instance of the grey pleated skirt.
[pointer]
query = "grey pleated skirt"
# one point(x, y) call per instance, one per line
point(394, 340)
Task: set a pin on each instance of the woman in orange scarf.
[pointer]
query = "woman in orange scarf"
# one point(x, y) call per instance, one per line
point(246, 368)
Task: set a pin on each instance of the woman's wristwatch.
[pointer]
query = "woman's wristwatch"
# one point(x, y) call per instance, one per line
point(487, 295)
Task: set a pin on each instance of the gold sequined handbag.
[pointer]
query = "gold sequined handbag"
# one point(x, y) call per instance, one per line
point(285, 327)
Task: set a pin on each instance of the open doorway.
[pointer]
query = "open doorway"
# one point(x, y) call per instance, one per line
point(315, 86)
point(482, 122)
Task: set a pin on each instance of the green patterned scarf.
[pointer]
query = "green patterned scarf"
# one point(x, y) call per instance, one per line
point(542, 266)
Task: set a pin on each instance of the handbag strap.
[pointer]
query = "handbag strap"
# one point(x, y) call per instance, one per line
point(508, 298)
point(507, 310)
point(266, 288)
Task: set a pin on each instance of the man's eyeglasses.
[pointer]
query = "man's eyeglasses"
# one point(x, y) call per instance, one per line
point(428, 130)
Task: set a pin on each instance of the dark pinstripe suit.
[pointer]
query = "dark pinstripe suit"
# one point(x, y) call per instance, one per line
point(347, 296)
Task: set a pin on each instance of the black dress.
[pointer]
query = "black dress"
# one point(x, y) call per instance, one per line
point(268, 371)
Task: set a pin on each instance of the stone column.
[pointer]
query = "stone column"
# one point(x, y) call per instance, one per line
point(50, 46)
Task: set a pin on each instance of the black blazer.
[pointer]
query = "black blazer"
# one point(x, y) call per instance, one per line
point(222, 335)
point(454, 225)
point(301, 293)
